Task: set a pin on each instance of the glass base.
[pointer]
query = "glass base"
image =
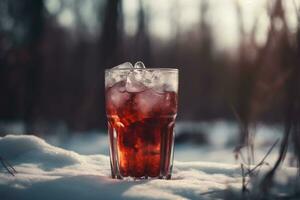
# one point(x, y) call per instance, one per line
point(128, 178)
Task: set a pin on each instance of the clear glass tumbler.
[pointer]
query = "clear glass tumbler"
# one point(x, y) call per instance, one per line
point(141, 107)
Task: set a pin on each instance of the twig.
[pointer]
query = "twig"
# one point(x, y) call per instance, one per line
point(264, 158)
point(240, 121)
point(9, 168)
point(250, 172)
point(248, 142)
point(244, 188)
point(242, 157)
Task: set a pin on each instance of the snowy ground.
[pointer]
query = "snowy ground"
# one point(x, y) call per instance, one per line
point(49, 172)
point(222, 138)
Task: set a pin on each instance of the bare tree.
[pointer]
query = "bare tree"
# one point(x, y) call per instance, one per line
point(271, 73)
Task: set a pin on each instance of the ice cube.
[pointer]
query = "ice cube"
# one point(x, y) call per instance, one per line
point(164, 82)
point(117, 95)
point(139, 65)
point(156, 82)
point(149, 102)
point(126, 65)
point(144, 76)
point(134, 81)
point(115, 76)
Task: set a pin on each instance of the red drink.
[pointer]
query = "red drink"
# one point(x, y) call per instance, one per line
point(140, 124)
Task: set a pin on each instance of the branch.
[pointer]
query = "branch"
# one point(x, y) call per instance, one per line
point(9, 168)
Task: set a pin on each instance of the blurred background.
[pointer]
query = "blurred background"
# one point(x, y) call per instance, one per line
point(235, 59)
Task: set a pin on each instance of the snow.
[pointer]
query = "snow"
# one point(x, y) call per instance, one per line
point(49, 172)
point(222, 138)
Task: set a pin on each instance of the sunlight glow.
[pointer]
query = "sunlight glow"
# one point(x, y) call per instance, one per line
point(130, 11)
point(164, 19)
point(159, 19)
point(53, 6)
point(291, 7)
point(222, 18)
point(189, 13)
point(263, 25)
point(88, 12)
point(66, 18)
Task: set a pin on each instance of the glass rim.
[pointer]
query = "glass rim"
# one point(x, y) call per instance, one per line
point(147, 69)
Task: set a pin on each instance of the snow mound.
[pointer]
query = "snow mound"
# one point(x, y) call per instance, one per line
point(31, 149)
point(48, 172)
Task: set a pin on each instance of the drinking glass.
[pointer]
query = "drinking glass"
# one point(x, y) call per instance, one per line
point(141, 107)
